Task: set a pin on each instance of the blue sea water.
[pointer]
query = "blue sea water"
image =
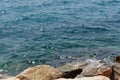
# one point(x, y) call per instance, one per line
point(55, 32)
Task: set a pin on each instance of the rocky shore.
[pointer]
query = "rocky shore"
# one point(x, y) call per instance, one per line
point(82, 70)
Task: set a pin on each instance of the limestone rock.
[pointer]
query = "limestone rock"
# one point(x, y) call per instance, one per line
point(71, 70)
point(88, 78)
point(97, 68)
point(41, 72)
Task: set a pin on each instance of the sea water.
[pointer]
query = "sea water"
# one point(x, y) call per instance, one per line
point(54, 32)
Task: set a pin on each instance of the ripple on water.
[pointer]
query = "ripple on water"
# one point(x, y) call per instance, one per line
point(55, 32)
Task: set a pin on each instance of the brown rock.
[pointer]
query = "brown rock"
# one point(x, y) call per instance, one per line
point(117, 59)
point(97, 68)
point(41, 72)
point(71, 70)
point(88, 78)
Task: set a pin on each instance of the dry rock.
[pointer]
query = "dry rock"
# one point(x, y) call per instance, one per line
point(3, 76)
point(95, 69)
point(11, 78)
point(116, 69)
point(71, 70)
point(88, 78)
point(41, 72)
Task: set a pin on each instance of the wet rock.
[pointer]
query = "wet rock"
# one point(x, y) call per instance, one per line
point(41, 72)
point(71, 70)
point(95, 69)
point(88, 78)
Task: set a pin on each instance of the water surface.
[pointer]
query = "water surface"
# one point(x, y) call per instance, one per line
point(54, 32)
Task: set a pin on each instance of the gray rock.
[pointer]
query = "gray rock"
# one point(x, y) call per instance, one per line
point(116, 71)
point(3, 76)
point(71, 70)
point(96, 68)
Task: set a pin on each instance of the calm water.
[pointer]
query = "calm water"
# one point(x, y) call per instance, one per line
point(54, 32)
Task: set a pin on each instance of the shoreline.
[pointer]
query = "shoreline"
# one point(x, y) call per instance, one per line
point(2, 71)
point(76, 69)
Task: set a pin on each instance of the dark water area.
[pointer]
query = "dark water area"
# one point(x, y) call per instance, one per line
point(55, 32)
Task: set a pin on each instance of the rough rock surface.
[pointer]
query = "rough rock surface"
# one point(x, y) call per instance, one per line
point(11, 78)
point(72, 66)
point(116, 69)
point(88, 78)
point(117, 59)
point(95, 69)
point(83, 70)
point(71, 70)
point(41, 72)
point(3, 76)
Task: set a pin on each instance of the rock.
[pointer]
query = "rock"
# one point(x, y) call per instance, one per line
point(88, 78)
point(72, 66)
point(72, 74)
point(71, 70)
point(11, 78)
point(3, 76)
point(95, 69)
point(41, 72)
point(116, 71)
point(117, 59)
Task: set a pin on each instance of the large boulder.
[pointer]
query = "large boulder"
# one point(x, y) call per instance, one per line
point(41, 72)
point(96, 68)
point(71, 70)
point(88, 78)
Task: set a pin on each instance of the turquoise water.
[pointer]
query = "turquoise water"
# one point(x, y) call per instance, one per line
point(54, 32)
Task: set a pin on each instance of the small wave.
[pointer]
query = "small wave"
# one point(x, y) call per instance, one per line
point(3, 71)
point(102, 3)
point(96, 28)
point(23, 18)
point(113, 1)
point(115, 21)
